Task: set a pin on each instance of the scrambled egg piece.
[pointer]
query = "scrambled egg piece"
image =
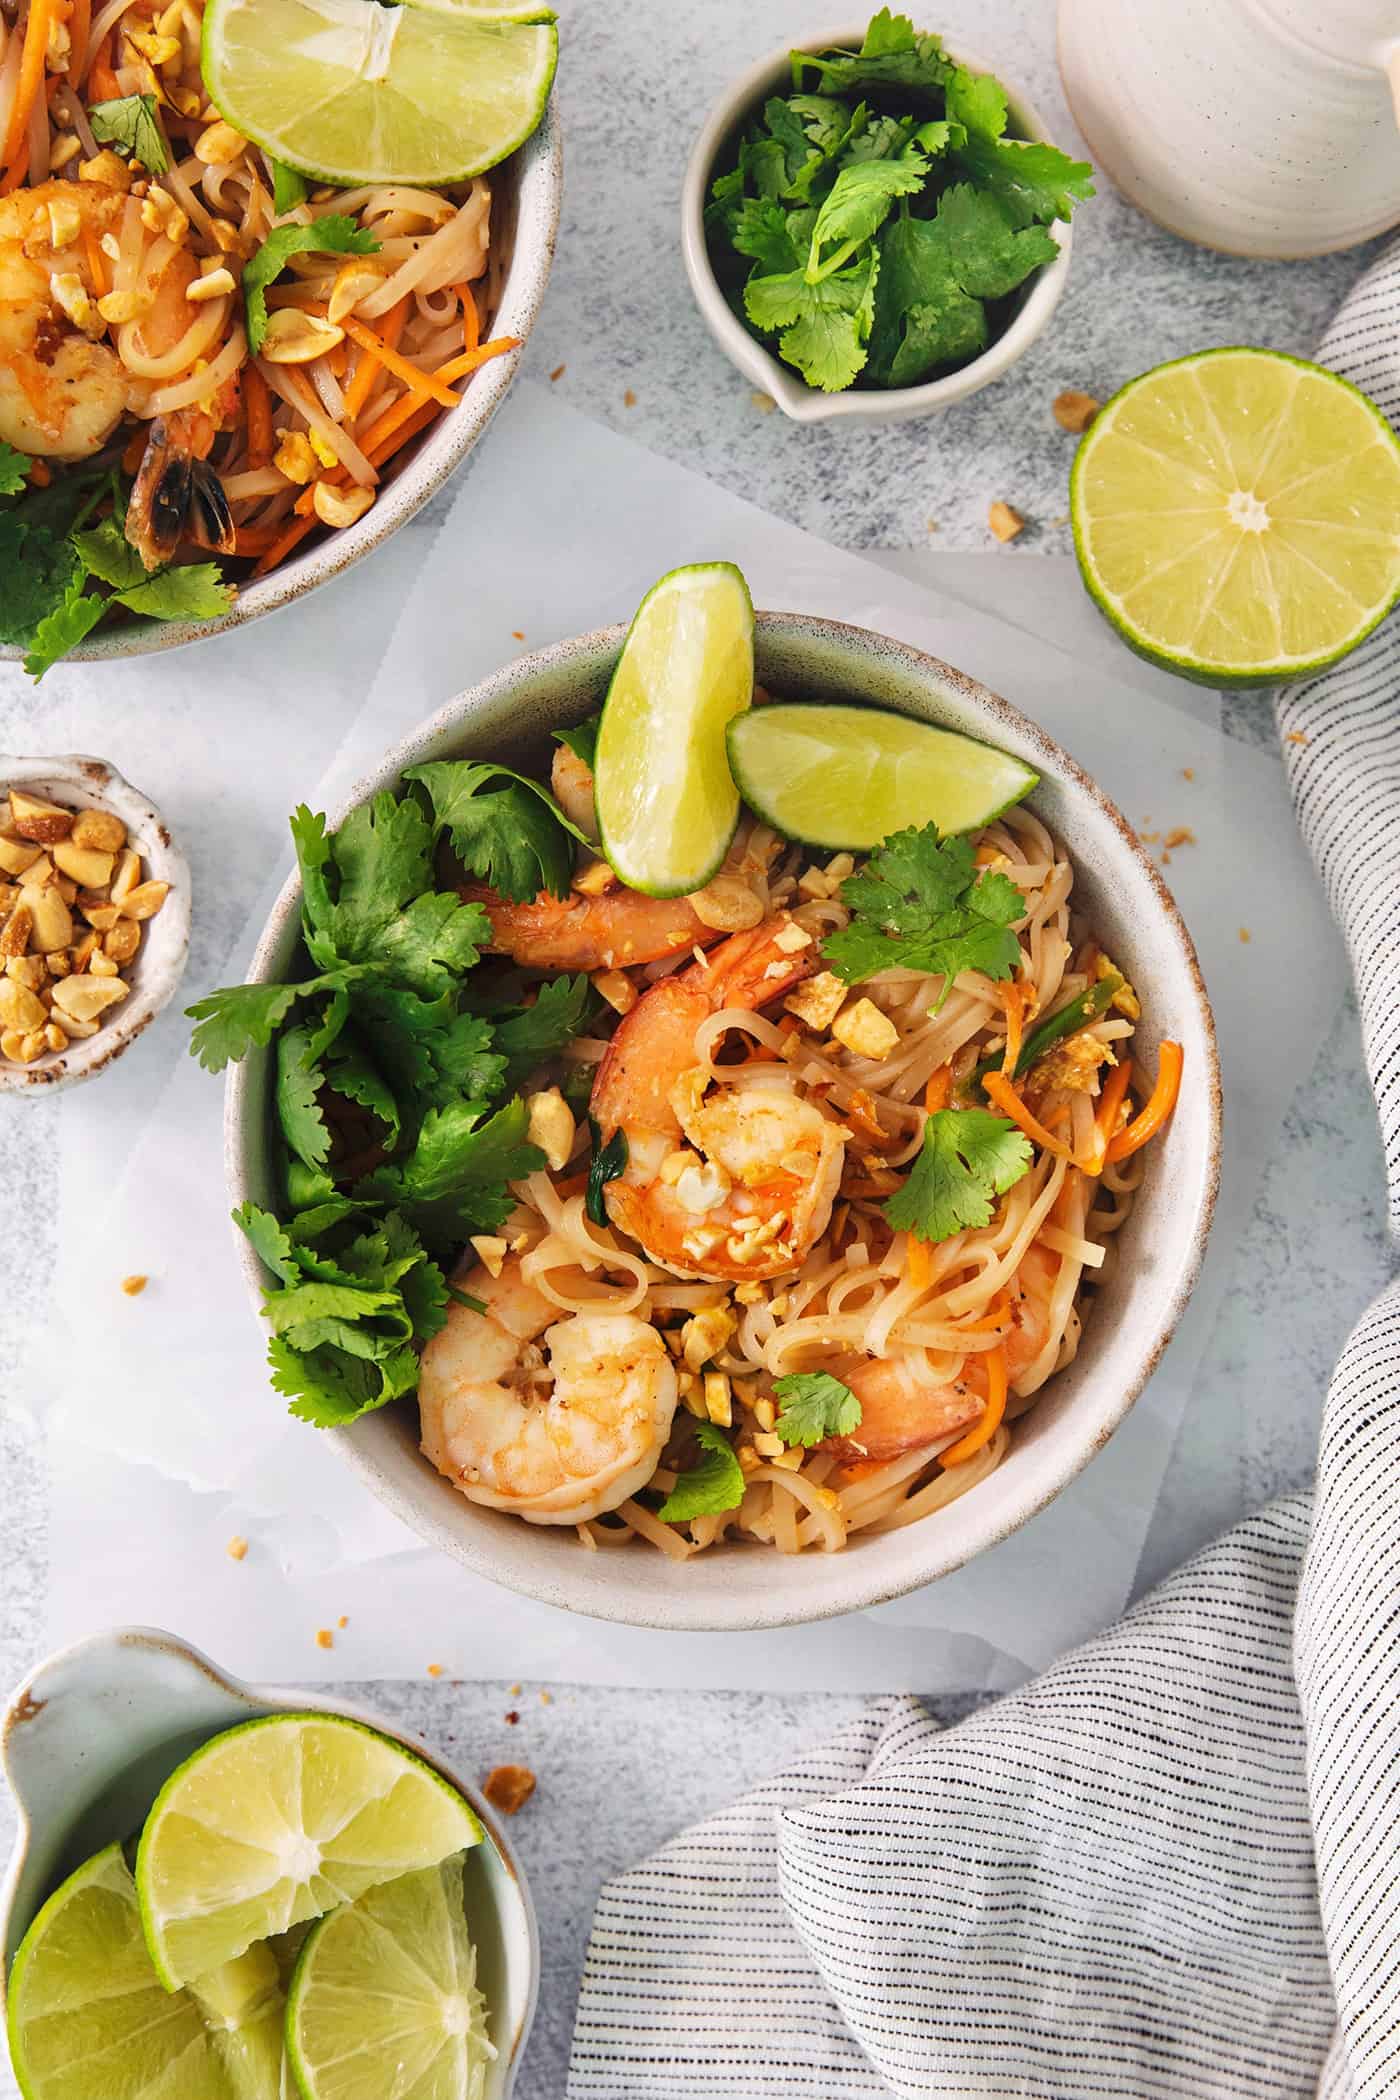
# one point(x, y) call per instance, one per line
point(1125, 1000)
point(1071, 1067)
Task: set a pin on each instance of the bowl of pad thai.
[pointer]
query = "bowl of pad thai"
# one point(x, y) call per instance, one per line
point(266, 267)
point(725, 1123)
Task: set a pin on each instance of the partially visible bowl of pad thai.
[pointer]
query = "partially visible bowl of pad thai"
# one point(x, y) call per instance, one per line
point(236, 354)
point(791, 1239)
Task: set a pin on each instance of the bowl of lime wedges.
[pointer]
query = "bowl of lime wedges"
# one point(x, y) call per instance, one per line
point(233, 1899)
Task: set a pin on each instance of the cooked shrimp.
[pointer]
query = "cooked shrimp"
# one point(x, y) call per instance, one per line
point(903, 1406)
point(553, 1418)
point(732, 1180)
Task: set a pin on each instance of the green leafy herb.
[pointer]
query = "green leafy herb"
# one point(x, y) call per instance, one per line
point(606, 1163)
point(196, 591)
point(454, 1181)
point(708, 1488)
point(920, 904)
point(299, 1083)
point(529, 1036)
point(969, 1157)
point(132, 123)
point(858, 203)
point(582, 739)
point(332, 235)
point(824, 326)
point(14, 470)
point(892, 54)
point(514, 836)
point(62, 629)
point(289, 187)
point(369, 900)
point(814, 1407)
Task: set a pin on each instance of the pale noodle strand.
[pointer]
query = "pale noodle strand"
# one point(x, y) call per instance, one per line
point(186, 392)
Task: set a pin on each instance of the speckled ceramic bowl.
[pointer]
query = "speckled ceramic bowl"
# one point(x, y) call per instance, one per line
point(93, 1734)
point(79, 782)
point(1035, 302)
point(531, 187)
point(510, 717)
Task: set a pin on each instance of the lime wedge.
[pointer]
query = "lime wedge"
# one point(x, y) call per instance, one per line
point(384, 1999)
point(488, 10)
point(348, 92)
point(89, 2019)
point(667, 805)
point(849, 776)
point(278, 1821)
point(1237, 516)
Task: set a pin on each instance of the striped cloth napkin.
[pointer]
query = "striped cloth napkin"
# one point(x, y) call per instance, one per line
point(1171, 1866)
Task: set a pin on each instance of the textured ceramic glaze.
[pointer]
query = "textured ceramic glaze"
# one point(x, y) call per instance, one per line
point(1262, 127)
point(510, 716)
point(92, 1735)
point(532, 188)
point(805, 404)
point(81, 782)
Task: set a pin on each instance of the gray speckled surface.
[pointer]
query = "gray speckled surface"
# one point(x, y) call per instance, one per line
point(620, 1770)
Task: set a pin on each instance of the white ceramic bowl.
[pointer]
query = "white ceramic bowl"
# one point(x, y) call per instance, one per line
point(531, 189)
point(92, 1735)
point(804, 404)
point(80, 782)
point(509, 717)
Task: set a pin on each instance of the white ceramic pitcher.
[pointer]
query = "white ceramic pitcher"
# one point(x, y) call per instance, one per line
point(1262, 127)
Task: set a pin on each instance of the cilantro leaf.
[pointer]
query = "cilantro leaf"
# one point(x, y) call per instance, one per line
point(977, 101)
point(988, 254)
point(62, 629)
point(106, 553)
point(194, 591)
point(530, 1035)
point(455, 1180)
point(289, 187)
point(299, 1081)
point(761, 231)
point(132, 122)
point(243, 1017)
point(892, 54)
point(515, 837)
point(1035, 181)
point(332, 235)
point(269, 1242)
point(858, 204)
point(825, 326)
point(351, 1073)
point(969, 1156)
point(709, 1488)
point(919, 904)
point(328, 1388)
point(922, 317)
point(37, 569)
point(582, 739)
point(14, 470)
point(814, 1406)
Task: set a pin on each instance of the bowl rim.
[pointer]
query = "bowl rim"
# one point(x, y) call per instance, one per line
point(803, 403)
point(538, 167)
point(868, 1584)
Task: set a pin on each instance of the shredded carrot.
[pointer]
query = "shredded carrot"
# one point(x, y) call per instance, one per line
point(1106, 1115)
point(31, 79)
point(96, 262)
point(1059, 1209)
point(391, 327)
point(337, 360)
point(1013, 998)
point(257, 404)
point(79, 24)
point(994, 1321)
point(256, 539)
point(135, 449)
point(471, 320)
point(998, 1088)
point(862, 1110)
point(16, 172)
point(468, 360)
point(282, 547)
point(940, 1085)
point(989, 1421)
point(1160, 1104)
point(40, 473)
point(103, 85)
point(417, 382)
point(918, 1262)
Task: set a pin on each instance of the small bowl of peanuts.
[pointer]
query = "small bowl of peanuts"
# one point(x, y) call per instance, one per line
point(94, 918)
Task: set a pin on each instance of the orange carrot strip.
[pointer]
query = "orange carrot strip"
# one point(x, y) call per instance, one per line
point(31, 79)
point(255, 539)
point(1059, 1209)
point(96, 262)
point(417, 382)
point(471, 320)
point(1160, 1104)
point(280, 548)
point(1013, 999)
point(468, 360)
point(940, 1084)
point(16, 172)
point(40, 473)
point(257, 406)
point(391, 327)
point(79, 23)
point(918, 1263)
point(989, 1422)
point(103, 85)
point(1106, 1114)
point(998, 1088)
point(135, 449)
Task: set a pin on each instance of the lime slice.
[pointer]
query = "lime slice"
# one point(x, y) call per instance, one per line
point(849, 776)
point(385, 1998)
point(349, 92)
point(89, 2019)
point(667, 805)
point(277, 1821)
point(1237, 516)
point(488, 10)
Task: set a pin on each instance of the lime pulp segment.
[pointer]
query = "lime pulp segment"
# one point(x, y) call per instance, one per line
point(350, 92)
point(847, 777)
point(278, 1821)
point(1237, 515)
point(667, 804)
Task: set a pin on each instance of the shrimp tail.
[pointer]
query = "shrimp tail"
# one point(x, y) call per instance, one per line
point(176, 496)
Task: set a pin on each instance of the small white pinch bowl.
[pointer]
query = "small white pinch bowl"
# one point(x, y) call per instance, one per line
point(732, 1589)
point(93, 1733)
point(1037, 300)
point(81, 782)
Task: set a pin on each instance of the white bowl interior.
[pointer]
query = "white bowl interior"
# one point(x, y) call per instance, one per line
point(798, 657)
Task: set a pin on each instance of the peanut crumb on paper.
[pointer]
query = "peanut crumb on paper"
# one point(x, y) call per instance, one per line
point(557, 373)
point(931, 524)
point(134, 1285)
point(324, 1637)
point(1004, 522)
point(513, 1691)
point(1075, 411)
point(1296, 736)
point(342, 1622)
point(237, 1547)
point(629, 399)
point(1188, 772)
point(509, 1787)
point(1245, 935)
point(546, 1698)
point(517, 634)
point(435, 1669)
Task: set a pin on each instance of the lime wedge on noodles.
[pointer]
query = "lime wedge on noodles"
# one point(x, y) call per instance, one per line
point(278, 1821)
point(1237, 516)
point(849, 776)
point(667, 805)
point(349, 92)
point(384, 1999)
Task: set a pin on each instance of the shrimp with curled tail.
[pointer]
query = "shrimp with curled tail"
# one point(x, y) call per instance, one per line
point(731, 1180)
point(554, 1417)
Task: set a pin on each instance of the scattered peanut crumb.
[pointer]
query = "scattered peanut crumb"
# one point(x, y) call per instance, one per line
point(509, 1787)
point(435, 1669)
point(1244, 935)
point(237, 1547)
point(764, 403)
point(629, 399)
point(931, 524)
point(515, 1691)
point(342, 1622)
point(516, 634)
point(324, 1637)
point(134, 1285)
point(1296, 736)
point(1075, 411)
point(1005, 522)
point(1188, 772)
point(546, 1698)
point(1181, 835)
point(513, 1718)
point(558, 373)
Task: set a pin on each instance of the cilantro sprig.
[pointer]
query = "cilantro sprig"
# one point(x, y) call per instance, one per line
point(132, 124)
point(919, 903)
point(814, 1406)
point(876, 219)
point(969, 1157)
point(712, 1485)
point(335, 234)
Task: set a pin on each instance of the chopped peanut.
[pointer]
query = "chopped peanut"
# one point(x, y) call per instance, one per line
point(705, 1334)
point(509, 1787)
point(1005, 522)
point(341, 507)
point(1075, 411)
point(491, 1251)
point(864, 1030)
point(36, 820)
point(617, 989)
point(819, 1000)
point(551, 1126)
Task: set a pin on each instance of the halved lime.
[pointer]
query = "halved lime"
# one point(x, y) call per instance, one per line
point(385, 2000)
point(667, 805)
point(278, 1821)
point(848, 776)
point(489, 10)
point(1237, 516)
point(347, 91)
point(90, 2020)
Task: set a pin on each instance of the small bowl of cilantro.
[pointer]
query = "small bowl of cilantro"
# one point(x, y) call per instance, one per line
point(876, 227)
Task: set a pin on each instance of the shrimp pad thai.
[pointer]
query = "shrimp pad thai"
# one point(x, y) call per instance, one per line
point(758, 1214)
